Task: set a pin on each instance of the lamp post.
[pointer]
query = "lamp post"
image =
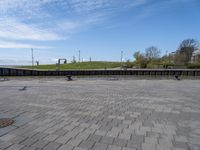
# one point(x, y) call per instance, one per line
point(79, 55)
point(32, 57)
point(122, 53)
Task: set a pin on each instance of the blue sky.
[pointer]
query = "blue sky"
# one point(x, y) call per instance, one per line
point(100, 29)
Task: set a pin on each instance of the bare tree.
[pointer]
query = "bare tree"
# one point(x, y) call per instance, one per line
point(140, 59)
point(152, 53)
point(186, 48)
point(189, 43)
point(179, 58)
point(137, 56)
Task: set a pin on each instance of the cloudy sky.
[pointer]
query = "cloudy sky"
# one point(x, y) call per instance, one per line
point(100, 29)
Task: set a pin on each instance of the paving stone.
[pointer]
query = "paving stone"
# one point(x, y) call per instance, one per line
point(66, 147)
point(112, 134)
point(78, 148)
point(18, 139)
point(83, 135)
point(181, 139)
point(79, 129)
point(40, 135)
point(105, 128)
point(94, 126)
point(4, 145)
point(194, 140)
point(60, 132)
point(63, 139)
point(100, 146)
point(125, 148)
point(52, 146)
point(140, 132)
point(163, 147)
point(15, 147)
point(7, 137)
point(98, 112)
point(151, 140)
point(113, 147)
point(29, 134)
point(148, 146)
point(182, 145)
point(194, 147)
point(125, 136)
point(6, 130)
point(94, 137)
point(134, 145)
point(101, 133)
point(174, 148)
point(29, 141)
point(40, 144)
point(107, 140)
point(154, 134)
point(51, 137)
point(87, 144)
point(120, 142)
point(74, 142)
point(89, 131)
point(29, 148)
point(165, 142)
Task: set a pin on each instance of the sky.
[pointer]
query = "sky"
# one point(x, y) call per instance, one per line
point(99, 29)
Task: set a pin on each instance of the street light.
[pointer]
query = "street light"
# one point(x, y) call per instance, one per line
point(32, 57)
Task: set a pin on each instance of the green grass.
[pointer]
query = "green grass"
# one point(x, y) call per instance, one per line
point(82, 65)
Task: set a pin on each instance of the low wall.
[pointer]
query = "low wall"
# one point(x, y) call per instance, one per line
point(137, 72)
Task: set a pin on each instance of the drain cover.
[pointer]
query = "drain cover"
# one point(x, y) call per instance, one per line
point(4, 122)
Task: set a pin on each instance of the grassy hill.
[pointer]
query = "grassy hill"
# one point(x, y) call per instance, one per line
point(81, 65)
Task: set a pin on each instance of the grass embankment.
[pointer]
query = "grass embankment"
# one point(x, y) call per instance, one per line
point(81, 65)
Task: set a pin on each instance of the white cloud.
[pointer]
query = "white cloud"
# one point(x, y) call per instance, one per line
point(39, 8)
point(12, 29)
point(84, 6)
point(156, 6)
point(4, 45)
point(67, 26)
point(23, 5)
point(36, 20)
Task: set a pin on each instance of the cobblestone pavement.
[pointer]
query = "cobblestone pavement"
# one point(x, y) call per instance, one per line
point(100, 115)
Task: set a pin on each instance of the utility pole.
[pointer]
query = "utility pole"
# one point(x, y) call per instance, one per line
point(167, 58)
point(122, 53)
point(74, 59)
point(79, 55)
point(122, 59)
point(32, 57)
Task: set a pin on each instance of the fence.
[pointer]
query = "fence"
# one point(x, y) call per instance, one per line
point(136, 72)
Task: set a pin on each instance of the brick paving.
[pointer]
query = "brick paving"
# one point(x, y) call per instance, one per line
point(53, 114)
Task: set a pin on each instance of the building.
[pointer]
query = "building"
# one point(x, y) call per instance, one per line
point(195, 56)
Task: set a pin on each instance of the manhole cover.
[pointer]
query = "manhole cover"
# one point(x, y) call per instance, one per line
point(4, 122)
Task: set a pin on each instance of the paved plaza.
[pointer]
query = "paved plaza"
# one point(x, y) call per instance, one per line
point(54, 114)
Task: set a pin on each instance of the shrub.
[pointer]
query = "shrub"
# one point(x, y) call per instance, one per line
point(129, 64)
point(143, 65)
point(167, 65)
point(193, 66)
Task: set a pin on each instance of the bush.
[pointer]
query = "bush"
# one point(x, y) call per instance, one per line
point(129, 64)
point(143, 65)
point(193, 66)
point(168, 65)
